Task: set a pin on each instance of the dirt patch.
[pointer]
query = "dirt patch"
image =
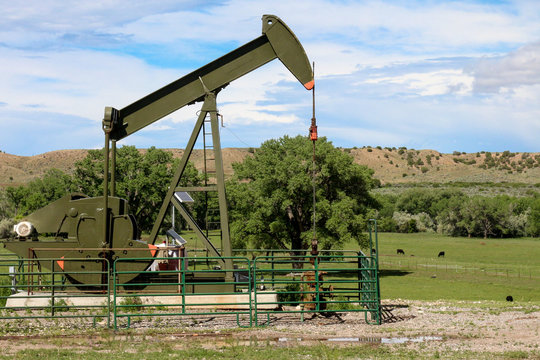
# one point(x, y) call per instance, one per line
point(491, 327)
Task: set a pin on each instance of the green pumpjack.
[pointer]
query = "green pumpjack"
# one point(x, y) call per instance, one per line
point(85, 228)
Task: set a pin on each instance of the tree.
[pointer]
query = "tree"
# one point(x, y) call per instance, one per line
point(448, 214)
point(142, 178)
point(533, 221)
point(6, 209)
point(483, 216)
point(26, 199)
point(384, 215)
point(271, 196)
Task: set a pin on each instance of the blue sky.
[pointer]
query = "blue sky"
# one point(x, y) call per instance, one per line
point(442, 75)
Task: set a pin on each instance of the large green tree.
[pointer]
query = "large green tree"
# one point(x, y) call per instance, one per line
point(271, 196)
point(28, 198)
point(533, 226)
point(6, 209)
point(142, 178)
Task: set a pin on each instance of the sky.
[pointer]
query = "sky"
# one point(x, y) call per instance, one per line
point(441, 75)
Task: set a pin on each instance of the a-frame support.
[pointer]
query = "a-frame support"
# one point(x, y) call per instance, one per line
point(209, 108)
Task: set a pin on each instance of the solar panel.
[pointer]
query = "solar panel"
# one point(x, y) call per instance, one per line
point(183, 196)
point(180, 240)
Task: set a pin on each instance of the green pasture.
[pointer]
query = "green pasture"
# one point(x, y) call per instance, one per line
point(261, 350)
point(472, 268)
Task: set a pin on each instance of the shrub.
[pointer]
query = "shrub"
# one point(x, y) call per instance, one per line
point(290, 294)
point(60, 305)
point(407, 223)
point(6, 228)
point(5, 290)
point(387, 224)
point(131, 303)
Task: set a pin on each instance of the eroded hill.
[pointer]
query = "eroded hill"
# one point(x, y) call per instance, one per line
point(391, 165)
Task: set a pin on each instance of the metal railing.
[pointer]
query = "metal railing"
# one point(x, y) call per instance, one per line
point(326, 285)
point(249, 293)
point(38, 289)
point(194, 286)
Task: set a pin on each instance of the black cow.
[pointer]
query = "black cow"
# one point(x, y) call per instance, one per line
point(509, 298)
point(400, 251)
point(441, 254)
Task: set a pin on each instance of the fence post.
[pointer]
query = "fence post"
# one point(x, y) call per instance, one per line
point(114, 295)
point(108, 294)
point(317, 297)
point(52, 287)
point(253, 308)
point(183, 284)
point(272, 262)
point(359, 262)
point(13, 275)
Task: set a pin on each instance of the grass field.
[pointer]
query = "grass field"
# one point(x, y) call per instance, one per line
point(258, 351)
point(472, 269)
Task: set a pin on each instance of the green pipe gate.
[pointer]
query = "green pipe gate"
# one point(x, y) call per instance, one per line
point(262, 290)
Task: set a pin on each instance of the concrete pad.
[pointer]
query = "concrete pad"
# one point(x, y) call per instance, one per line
point(238, 301)
point(23, 299)
point(219, 302)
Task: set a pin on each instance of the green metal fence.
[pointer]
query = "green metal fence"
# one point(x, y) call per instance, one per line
point(326, 285)
point(194, 286)
point(253, 292)
point(32, 289)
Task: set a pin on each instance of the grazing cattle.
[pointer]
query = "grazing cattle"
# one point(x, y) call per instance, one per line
point(441, 254)
point(400, 251)
point(373, 251)
point(509, 298)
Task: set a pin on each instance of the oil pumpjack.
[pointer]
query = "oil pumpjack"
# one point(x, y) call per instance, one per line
point(102, 227)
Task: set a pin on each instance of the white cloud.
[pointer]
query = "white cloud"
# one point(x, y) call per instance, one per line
point(374, 66)
point(78, 82)
point(520, 67)
point(431, 83)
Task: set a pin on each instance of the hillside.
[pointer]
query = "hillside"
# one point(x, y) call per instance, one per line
point(391, 165)
point(417, 166)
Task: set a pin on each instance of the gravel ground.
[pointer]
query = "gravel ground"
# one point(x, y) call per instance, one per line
point(459, 326)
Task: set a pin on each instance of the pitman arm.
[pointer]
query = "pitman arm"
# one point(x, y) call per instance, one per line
point(277, 41)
